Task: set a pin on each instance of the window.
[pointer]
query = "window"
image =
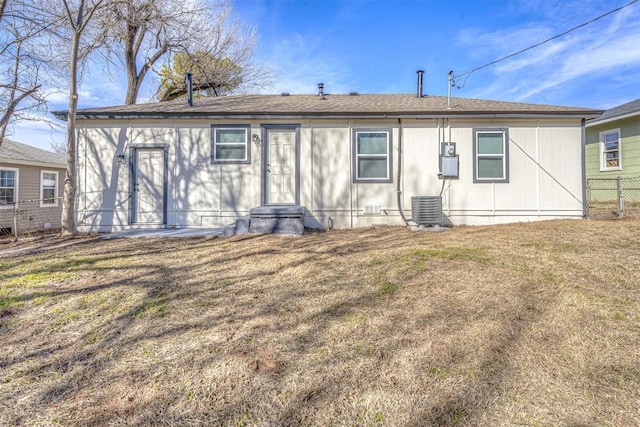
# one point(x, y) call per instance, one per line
point(48, 188)
point(610, 150)
point(231, 144)
point(372, 155)
point(8, 185)
point(490, 155)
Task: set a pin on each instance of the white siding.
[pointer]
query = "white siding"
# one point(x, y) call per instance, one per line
point(545, 178)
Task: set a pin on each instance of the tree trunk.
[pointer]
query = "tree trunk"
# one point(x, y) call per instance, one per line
point(69, 198)
point(133, 84)
point(130, 55)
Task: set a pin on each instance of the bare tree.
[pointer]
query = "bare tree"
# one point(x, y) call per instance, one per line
point(146, 31)
point(23, 28)
point(77, 19)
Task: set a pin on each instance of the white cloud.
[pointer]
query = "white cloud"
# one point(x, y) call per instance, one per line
point(300, 62)
point(610, 45)
point(41, 131)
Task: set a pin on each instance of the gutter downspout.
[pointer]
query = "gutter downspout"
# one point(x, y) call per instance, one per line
point(583, 145)
point(351, 173)
point(189, 83)
point(400, 173)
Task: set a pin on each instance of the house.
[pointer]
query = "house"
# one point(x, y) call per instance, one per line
point(340, 161)
point(31, 185)
point(613, 142)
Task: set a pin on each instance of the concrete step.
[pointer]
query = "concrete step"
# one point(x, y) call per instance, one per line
point(277, 219)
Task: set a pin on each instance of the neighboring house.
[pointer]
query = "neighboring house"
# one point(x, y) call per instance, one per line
point(31, 184)
point(344, 160)
point(613, 142)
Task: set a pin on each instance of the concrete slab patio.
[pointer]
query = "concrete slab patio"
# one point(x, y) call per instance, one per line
point(166, 232)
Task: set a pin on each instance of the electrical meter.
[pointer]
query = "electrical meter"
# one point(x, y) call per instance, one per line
point(448, 160)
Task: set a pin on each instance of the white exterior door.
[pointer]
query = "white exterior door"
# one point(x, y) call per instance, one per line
point(149, 186)
point(281, 171)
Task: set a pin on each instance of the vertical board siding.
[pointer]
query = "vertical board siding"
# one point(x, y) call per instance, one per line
point(544, 172)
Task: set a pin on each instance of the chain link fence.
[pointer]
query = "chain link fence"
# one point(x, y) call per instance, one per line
point(28, 218)
point(614, 198)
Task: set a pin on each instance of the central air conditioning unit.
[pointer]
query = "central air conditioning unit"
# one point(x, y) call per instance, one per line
point(426, 210)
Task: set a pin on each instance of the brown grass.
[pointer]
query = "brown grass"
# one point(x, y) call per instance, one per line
point(526, 324)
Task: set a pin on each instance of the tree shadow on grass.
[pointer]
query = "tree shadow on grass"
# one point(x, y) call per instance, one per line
point(238, 292)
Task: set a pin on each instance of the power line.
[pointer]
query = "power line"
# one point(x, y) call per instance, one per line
point(468, 73)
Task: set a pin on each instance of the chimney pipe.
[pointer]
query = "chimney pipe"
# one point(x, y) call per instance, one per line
point(420, 75)
point(321, 90)
point(189, 82)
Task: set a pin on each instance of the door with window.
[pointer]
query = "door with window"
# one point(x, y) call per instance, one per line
point(149, 186)
point(281, 171)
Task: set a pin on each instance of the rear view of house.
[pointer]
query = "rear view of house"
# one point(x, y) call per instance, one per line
point(340, 161)
point(31, 184)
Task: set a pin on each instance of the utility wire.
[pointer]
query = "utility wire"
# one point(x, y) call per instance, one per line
point(542, 168)
point(468, 73)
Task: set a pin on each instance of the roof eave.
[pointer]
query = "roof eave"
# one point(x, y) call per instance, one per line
point(20, 162)
point(330, 115)
point(597, 121)
point(61, 115)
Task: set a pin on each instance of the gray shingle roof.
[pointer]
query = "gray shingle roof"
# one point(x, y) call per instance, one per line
point(15, 152)
point(621, 110)
point(335, 106)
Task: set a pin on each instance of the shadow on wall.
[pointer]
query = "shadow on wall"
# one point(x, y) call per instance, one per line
point(204, 188)
point(330, 180)
point(104, 164)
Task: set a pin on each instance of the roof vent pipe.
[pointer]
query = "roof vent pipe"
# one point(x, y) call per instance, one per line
point(420, 75)
point(189, 82)
point(321, 90)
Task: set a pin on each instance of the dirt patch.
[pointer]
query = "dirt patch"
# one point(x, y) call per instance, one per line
point(533, 324)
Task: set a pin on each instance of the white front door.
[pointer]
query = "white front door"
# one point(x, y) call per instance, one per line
point(281, 167)
point(149, 186)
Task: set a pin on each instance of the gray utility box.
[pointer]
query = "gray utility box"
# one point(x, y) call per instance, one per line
point(448, 160)
point(450, 166)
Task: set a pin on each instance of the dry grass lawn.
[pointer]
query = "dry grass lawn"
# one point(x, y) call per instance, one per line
point(528, 324)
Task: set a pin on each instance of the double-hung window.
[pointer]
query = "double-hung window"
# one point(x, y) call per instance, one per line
point(372, 155)
point(610, 150)
point(231, 144)
point(48, 188)
point(490, 155)
point(8, 186)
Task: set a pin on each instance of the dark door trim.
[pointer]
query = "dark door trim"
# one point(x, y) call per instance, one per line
point(133, 163)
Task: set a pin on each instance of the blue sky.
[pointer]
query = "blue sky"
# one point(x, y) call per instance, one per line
point(376, 46)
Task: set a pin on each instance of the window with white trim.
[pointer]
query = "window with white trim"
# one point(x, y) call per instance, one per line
point(231, 144)
point(490, 155)
point(48, 188)
point(610, 150)
point(8, 186)
point(372, 155)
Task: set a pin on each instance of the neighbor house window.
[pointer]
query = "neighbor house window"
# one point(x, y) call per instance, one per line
point(231, 144)
point(8, 186)
point(372, 155)
point(610, 150)
point(48, 188)
point(490, 155)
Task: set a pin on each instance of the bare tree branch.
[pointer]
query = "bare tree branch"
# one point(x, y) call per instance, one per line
point(149, 30)
point(22, 27)
point(3, 6)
